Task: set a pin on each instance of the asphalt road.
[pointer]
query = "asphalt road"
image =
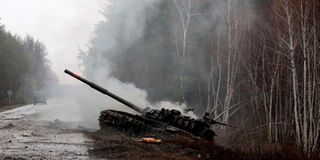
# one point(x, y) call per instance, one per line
point(51, 131)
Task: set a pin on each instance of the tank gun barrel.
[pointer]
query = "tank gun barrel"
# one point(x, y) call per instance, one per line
point(105, 91)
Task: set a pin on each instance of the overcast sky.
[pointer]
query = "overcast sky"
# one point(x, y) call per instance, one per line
point(64, 26)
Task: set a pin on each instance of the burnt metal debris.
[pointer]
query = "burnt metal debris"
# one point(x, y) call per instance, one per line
point(149, 118)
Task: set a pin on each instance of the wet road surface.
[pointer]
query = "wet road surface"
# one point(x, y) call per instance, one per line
point(43, 132)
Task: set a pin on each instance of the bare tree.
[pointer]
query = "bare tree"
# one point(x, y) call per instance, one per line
point(184, 15)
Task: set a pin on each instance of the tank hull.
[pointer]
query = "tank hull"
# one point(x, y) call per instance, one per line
point(139, 125)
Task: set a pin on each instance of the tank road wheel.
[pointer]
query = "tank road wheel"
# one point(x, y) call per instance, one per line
point(122, 121)
point(136, 127)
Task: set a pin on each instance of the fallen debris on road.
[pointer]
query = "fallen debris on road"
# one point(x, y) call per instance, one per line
point(150, 140)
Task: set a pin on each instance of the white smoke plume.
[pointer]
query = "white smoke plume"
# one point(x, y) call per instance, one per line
point(131, 26)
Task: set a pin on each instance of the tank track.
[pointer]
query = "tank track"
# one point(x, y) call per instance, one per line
point(122, 121)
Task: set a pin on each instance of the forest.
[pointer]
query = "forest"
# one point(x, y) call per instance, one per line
point(24, 68)
point(250, 63)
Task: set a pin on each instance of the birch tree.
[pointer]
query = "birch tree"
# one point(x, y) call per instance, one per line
point(184, 15)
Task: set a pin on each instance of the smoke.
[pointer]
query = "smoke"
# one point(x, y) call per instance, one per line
point(99, 68)
point(127, 19)
point(126, 23)
point(175, 105)
point(91, 102)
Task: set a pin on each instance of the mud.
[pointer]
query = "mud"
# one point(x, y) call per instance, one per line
point(8, 107)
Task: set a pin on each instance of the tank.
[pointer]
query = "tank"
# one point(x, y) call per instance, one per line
point(149, 118)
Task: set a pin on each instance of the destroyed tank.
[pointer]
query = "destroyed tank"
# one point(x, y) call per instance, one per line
point(151, 119)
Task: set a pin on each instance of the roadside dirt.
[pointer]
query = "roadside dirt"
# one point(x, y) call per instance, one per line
point(111, 144)
point(9, 107)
